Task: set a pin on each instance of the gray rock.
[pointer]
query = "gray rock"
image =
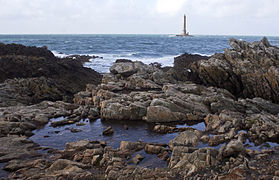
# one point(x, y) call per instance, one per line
point(137, 159)
point(233, 148)
point(131, 146)
point(124, 69)
point(187, 138)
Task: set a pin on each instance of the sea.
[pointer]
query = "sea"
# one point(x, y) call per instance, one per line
point(145, 48)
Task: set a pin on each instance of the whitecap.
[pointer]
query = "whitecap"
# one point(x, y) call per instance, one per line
point(103, 65)
point(203, 54)
point(59, 54)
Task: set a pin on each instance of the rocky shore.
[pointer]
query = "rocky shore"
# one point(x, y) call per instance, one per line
point(235, 94)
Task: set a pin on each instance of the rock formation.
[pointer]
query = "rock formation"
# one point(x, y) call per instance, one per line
point(234, 115)
point(247, 70)
point(53, 78)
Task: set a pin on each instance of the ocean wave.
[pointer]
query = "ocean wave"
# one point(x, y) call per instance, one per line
point(60, 54)
point(103, 65)
point(202, 54)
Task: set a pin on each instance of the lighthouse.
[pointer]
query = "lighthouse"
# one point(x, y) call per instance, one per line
point(184, 32)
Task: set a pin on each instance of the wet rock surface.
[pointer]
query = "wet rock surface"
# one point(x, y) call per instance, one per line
point(238, 139)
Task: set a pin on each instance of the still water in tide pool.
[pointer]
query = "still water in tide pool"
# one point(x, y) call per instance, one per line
point(57, 137)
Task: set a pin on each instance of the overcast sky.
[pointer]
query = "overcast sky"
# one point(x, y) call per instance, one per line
point(212, 17)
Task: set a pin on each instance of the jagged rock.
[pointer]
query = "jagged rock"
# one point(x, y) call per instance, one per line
point(117, 111)
point(137, 159)
point(233, 148)
point(66, 168)
point(262, 127)
point(29, 91)
point(216, 140)
point(16, 147)
point(131, 146)
point(164, 129)
point(186, 138)
point(83, 98)
point(248, 70)
point(182, 65)
point(194, 161)
point(224, 122)
point(22, 120)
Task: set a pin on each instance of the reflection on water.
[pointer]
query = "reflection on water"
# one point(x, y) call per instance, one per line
point(193, 124)
point(57, 137)
point(2, 172)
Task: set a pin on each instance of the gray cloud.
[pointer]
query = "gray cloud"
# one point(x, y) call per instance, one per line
point(248, 17)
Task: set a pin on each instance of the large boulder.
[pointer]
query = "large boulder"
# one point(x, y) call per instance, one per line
point(124, 69)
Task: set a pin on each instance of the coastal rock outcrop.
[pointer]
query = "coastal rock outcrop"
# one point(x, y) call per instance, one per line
point(30, 91)
point(181, 66)
point(139, 96)
point(135, 91)
point(247, 70)
point(67, 75)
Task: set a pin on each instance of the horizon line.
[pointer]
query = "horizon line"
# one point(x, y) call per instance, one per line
point(135, 34)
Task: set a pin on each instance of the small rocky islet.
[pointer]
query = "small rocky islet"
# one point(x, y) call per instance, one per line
point(235, 95)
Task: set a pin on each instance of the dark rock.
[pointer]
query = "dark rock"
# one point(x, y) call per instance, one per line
point(123, 61)
point(82, 58)
point(75, 130)
point(108, 131)
point(30, 91)
point(182, 65)
point(18, 49)
point(68, 76)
